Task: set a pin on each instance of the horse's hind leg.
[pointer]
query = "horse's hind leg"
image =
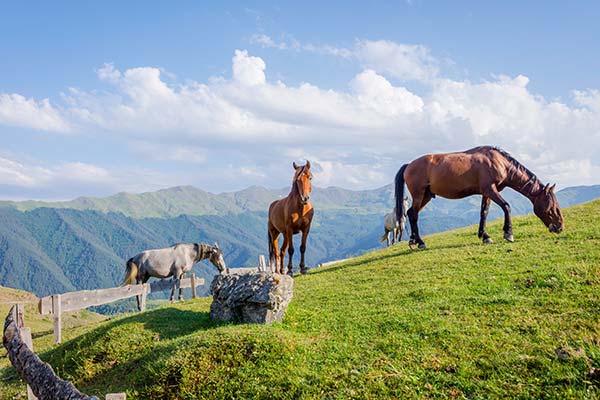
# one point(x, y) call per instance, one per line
point(413, 216)
point(303, 250)
point(273, 249)
point(180, 289)
point(485, 208)
point(282, 251)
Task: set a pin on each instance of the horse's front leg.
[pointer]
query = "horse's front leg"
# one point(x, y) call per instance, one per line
point(485, 208)
point(290, 238)
point(303, 250)
point(176, 286)
point(496, 198)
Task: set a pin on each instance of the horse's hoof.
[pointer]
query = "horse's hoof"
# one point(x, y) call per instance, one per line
point(509, 237)
point(303, 271)
point(487, 241)
point(422, 246)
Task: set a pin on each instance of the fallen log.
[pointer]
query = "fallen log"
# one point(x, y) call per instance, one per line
point(39, 375)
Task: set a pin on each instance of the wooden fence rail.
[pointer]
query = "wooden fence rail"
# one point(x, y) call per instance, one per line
point(59, 303)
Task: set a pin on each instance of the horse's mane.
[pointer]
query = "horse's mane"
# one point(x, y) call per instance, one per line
point(520, 167)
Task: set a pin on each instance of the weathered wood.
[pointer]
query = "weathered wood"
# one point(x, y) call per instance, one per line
point(73, 301)
point(39, 375)
point(193, 285)
point(57, 317)
point(20, 314)
point(262, 265)
point(142, 298)
point(26, 336)
point(115, 396)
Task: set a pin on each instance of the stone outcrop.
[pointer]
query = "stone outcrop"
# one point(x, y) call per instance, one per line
point(257, 297)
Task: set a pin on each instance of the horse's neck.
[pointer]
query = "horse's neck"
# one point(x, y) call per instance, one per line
point(202, 252)
point(294, 192)
point(527, 185)
point(294, 195)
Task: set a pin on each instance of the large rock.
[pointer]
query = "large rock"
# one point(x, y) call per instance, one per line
point(254, 297)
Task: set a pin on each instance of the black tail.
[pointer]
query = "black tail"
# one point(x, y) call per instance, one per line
point(271, 250)
point(400, 211)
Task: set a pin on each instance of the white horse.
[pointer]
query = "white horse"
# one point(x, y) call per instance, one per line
point(173, 261)
point(391, 225)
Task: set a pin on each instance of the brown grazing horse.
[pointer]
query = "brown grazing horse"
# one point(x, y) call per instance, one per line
point(482, 170)
point(289, 216)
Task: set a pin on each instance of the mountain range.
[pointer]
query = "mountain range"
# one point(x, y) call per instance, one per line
point(55, 247)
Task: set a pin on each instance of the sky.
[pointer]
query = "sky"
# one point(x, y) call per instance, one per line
point(102, 97)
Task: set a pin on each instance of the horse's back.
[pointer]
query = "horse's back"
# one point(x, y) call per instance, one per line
point(455, 175)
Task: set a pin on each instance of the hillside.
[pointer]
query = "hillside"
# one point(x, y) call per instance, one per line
point(55, 249)
point(189, 200)
point(460, 320)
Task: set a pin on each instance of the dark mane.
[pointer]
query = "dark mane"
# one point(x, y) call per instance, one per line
point(520, 167)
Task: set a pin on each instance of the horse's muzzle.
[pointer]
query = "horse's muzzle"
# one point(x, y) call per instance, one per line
point(555, 228)
point(304, 199)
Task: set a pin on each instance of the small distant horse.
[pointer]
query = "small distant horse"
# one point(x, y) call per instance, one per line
point(482, 170)
point(173, 261)
point(288, 216)
point(391, 225)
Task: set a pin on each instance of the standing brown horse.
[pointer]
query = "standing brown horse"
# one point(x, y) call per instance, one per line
point(482, 170)
point(289, 216)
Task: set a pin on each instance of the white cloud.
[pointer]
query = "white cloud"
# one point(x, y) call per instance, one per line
point(407, 62)
point(62, 181)
point(248, 70)
point(218, 121)
point(16, 110)
point(167, 152)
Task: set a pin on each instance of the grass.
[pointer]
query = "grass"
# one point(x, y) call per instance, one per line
point(460, 320)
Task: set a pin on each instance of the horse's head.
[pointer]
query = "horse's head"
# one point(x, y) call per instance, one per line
point(302, 178)
point(216, 258)
point(546, 207)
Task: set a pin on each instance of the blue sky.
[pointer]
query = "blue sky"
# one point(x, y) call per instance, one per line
point(134, 96)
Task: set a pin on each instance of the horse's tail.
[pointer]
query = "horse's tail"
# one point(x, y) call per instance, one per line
point(271, 250)
point(130, 272)
point(384, 237)
point(399, 192)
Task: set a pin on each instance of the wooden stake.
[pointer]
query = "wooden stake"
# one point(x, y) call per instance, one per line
point(193, 282)
point(57, 315)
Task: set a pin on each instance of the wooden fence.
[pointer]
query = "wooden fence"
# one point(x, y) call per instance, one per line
point(59, 303)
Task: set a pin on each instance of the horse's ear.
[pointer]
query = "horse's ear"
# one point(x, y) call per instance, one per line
point(546, 187)
point(295, 165)
point(307, 164)
point(552, 188)
point(216, 245)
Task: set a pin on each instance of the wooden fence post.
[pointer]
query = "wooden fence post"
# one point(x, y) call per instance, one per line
point(26, 336)
point(143, 297)
point(115, 396)
point(20, 315)
point(57, 316)
point(193, 282)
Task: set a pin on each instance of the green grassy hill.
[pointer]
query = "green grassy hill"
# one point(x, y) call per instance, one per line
point(460, 320)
